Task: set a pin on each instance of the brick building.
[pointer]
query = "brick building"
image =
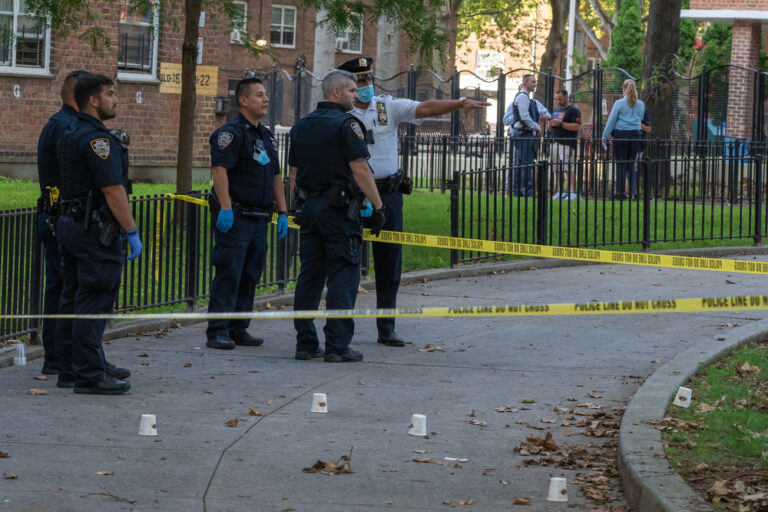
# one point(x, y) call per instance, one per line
point(747, 17)
point(142, 57)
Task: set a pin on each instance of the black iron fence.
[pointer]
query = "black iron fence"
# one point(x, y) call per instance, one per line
point(588, 196)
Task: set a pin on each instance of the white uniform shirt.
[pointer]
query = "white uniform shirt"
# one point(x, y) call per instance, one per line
point(382, 117)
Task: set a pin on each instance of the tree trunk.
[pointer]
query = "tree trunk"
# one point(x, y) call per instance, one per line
point(185, 153)
point(662, 40)
point(556, 47)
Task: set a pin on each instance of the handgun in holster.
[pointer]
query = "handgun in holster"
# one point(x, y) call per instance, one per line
point(302, 195)
point(406, 183)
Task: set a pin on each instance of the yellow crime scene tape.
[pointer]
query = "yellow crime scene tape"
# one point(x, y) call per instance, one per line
point(549, 251)
point(679, 305)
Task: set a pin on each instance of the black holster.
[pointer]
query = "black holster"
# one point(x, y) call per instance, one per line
point(110, 228)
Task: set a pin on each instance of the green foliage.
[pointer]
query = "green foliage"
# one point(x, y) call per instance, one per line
point(717, 39)
point(627, 40)
point(687, 36)
point(498, 20)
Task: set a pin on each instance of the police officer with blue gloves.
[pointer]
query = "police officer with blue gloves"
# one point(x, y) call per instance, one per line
point(332, 179)
point(246, 180)
point(49, 177)
point(381, 116)
point(95, 220)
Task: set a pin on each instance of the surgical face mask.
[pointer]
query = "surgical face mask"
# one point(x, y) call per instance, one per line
point(365, 94)
point(262, 158)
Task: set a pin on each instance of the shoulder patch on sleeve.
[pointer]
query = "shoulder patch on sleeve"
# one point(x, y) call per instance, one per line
point(224, 139)
point(100, 146)
point(358, 131)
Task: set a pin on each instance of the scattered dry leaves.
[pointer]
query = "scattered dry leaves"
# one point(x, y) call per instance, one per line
point(429, 460)
point(431, 348)
point(233, 422)
point(10, 476)
point(342, 467)
point(506, 408)
point(41, 377)
point(37, 392)
point(252, 412)
point(105, 473)
point(747, 368)
point(522, 501)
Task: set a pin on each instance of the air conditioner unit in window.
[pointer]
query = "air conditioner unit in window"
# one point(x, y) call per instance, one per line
point(340, 44)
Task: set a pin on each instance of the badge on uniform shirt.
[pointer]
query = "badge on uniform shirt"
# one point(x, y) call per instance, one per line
point(224, 139)
point(381, 110)
point(100, 147)
point(358, 131)
point(274, 143)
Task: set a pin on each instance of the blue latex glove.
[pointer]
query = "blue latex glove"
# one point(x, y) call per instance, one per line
point(367, 211)
point(135, 242)
point(282, 226)
point(225, 220)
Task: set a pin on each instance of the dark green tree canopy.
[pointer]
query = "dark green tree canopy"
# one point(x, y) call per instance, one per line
point(627, 40)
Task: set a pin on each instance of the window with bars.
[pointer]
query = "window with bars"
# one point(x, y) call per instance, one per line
point(25, 42)
point(137, 43)
point(282, 32)
point(351, 40)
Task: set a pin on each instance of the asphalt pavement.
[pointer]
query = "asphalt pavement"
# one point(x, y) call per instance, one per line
point(83, 452)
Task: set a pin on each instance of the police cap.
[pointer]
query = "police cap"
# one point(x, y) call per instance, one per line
point(360, 66)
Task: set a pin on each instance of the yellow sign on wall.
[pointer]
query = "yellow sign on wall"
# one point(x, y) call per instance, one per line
point(170, 79)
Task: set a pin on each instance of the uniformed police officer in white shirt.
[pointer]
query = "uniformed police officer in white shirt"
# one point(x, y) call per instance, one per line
point(381, 116)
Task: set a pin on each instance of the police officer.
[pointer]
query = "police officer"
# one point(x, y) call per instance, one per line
point(49, 177)
point(95, 219)
point(330, 173)
point(381, 116)
point(246, 179)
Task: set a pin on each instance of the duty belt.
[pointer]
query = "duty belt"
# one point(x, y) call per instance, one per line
point(390, 183)
point(252, 212)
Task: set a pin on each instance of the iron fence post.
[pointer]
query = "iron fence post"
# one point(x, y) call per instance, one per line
point(297, 89)
point(541, 204)
point(757, 158)
point(549, 90)
point(649, 169)
point(454, 184)
point(455, 94)
point(501, 105)
point(410, 128)
point(273, 94)
point(759, 109)
point(281, 258)
point(597, 103)
point(702, 112)
point(37, 286)
point(444, 164)
point(193, 251)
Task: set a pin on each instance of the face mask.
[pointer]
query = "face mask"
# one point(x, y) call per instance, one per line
point(365, 94)
point(262, 158)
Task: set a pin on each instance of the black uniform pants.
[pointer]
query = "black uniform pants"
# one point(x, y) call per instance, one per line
point(53, 285)
point(330, 250)
point(91, 281)
point(387, 261)
point(239, 256)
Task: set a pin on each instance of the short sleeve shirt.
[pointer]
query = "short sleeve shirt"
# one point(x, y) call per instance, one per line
point(49, 174)
point(237, 146)
point(569, 114)
point(381, 119)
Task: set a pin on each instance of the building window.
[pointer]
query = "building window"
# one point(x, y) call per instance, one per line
point(489, 64)
point(240, 23)
point(351, 40)
point(137, 49)
point(282, 32)
point(25, 42)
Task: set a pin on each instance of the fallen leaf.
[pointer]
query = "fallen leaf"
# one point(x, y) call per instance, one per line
point(233, 422)
point(10, 476)
point(466, 502)
point(594, 394)
point(446, 502)
point(287, 509)
point(41, 377)
point(420, 451)
point(429, 460)
point(251, 412)
point(528, 401)
point(4, 455)
point(655, 361)
point(547, 420)
point(361, 290)
point(506, 408)
point(105, 473)
point(522, 501)
point(747, 368)
point(702, 407)
point(143, 355)
point(728, 281)
point(331, 467)
point(426, 294)
point(187, 365)
point(478, 423)
point(269, 402)
point(37, 392)
point(431, 348)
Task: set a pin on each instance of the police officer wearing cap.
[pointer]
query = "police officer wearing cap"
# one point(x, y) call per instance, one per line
point(332, 179)
point(246, 180)
point(49, 177)
point(381, 116)
point(95, 221)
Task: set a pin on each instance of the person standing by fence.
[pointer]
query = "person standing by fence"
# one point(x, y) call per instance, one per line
point(381, 116)
point(49, 177)
point(564, 128)
point(246, 180)
point(523, 115)
point(624, 124)
point(94, 214)
point(328, 158)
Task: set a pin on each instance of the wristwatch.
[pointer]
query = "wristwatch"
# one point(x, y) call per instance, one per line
point(462, 100)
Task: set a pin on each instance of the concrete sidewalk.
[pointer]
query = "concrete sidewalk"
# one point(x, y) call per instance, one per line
point(58, 442)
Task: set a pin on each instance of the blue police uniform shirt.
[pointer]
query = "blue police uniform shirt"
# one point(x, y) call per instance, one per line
point(97, 160)
point(324, 143)
point(236, 145)
point(48, 169)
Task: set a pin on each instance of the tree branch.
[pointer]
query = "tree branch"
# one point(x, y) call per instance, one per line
point(602, 16)
point(491, 13)
point(592, 36)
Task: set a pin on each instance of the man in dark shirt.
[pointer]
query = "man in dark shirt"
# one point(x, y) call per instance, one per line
point(49, 176)
point(564, 128)
point(328, 158)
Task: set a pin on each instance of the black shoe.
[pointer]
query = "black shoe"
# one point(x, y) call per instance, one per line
point(245, 339)
point(220, 341)
point(391, 339)
point(108, 386)
point(350, 356)
point(65, 382)
point(49, 368)
point(303, 355)
point(118, 373)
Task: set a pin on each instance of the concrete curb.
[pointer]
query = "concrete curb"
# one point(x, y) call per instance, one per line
point(650, 484)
